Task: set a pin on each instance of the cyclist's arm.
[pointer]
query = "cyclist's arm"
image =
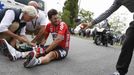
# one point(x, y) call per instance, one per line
point(55, 43)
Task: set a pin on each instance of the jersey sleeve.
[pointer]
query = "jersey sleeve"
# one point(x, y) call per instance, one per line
point(62, 28)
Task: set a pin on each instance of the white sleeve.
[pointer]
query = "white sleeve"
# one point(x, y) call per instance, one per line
point(7, 20)
point(43, 19)
point(23, 31)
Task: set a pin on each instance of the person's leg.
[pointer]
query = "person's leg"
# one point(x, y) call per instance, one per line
point(126, 52)
point(58, 53)
point(11, 52)
point(13, 27)
point(53, 55)
point(32, 60)
point(12, 42)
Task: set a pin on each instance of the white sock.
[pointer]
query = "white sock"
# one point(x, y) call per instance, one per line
point(39, 61)
point(18, 54)
point(23, 55)
point(36, 61)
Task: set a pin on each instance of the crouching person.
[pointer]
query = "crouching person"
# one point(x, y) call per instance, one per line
point(58, 49)
point(12, 24)
point(12, 28)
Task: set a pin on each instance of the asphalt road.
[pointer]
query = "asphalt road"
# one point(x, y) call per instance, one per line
point(84, 58)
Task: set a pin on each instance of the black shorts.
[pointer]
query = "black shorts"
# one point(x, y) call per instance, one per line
point(62, 53)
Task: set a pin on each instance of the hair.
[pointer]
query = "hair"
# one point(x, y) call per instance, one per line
point(30, 10)
point(34, 3)
point(51, 13)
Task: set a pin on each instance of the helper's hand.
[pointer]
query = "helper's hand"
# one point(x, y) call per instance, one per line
point(86, 25)
point(21, 39)
point(33, 41)
point(90, 25)
point(31, 44)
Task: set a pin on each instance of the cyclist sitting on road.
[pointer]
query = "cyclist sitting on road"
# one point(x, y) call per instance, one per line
point(58, 49)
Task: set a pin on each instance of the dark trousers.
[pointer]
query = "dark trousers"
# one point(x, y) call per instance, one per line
point(126, 51)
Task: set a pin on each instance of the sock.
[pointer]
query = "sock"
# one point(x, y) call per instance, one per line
point(39, 61)
point(23, 55)
point(18, 54)
point(36, 62)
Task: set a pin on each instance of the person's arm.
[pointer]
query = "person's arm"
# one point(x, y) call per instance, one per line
point(42, 20)
point(11, 34)
point(23, 35)
point(55, 43)
point(6, 22)
point(27, 40)
point(43, 35)
point(43, 41)
point(40, 33)
point(107, 13)
point(19, 38)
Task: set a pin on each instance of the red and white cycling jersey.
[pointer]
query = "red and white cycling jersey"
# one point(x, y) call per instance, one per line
point(61, 29)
